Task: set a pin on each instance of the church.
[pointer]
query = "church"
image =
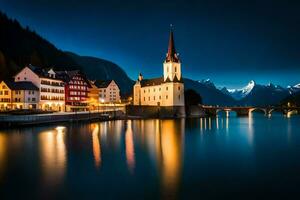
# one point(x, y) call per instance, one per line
point(165, 91)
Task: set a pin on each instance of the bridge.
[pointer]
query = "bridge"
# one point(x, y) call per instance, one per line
point(247, 110)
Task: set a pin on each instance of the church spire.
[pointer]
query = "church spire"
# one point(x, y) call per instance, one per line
point(171, 55)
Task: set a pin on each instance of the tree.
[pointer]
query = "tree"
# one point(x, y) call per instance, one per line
point(191, 98)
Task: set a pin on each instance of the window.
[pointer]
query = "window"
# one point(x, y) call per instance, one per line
point(178, 87)
point(33, 99)
point(167, 88)
point(28, 99)
point(144, 91)
point(159, 89)
point(179, 97)
point(166, 96)
point(153, 89)
point(148, 90)
point(154, 98)
point(144, 98)
point(159, 97)
point(149, 98)
point(167, 69)
point(1, 92)
point(175, 69)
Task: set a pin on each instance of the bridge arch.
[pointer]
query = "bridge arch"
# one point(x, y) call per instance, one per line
point(263, 110)
point(292, 112)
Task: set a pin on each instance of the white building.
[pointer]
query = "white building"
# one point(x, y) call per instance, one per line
point(167, 90)
point(109, 91)
point(51, 88)
point(18, 95)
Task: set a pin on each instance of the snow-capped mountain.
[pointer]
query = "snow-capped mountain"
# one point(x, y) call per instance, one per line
point(238, 94)
point(260, 95)
point(294, 89)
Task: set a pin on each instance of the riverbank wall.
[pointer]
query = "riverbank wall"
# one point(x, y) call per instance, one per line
point(23, 120)
point(155, 111)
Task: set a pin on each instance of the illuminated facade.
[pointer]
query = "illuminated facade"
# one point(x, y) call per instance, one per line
point(93, 96)
point(167, 90)
point(76, 90)
point(18, 95)
point(109, 91)
point(51, 87)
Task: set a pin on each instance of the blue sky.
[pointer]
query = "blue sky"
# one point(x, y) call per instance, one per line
point(229, 42)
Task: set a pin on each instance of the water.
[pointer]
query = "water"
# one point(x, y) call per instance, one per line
point(245, 158)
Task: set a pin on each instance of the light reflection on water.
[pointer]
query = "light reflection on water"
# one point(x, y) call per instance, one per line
point(168, 157)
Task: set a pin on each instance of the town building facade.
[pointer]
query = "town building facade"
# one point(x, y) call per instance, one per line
point(93, 96)
point(76, 90)
point(51, 87)
point(165, 91)
point(18, 95)
point(109, 91)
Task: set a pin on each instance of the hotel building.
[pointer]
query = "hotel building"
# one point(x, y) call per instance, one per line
point(109, 91)
point(18, 95)
point(51, 87)
point(76, 90)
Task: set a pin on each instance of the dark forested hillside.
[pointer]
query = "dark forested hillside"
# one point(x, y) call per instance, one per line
point(20, 46)
point(96, 68)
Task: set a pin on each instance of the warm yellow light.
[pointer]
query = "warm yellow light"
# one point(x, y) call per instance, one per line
point(60, 128)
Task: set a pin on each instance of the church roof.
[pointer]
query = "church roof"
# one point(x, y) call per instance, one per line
point(152, 82)
point(172, 55)
point(157, 81)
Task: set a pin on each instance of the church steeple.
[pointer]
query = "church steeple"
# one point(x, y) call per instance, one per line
point(171, 55)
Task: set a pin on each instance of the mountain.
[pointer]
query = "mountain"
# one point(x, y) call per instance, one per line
point(20, 46)
point(259, 95)
point(96, 68)
point(262, 95)
point(209, 93)
point(239, 94)
point(293, 100)
point(294, 89)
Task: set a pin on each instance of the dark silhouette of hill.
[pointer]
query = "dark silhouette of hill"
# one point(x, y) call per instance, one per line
point(21, 46)
point(96, 68)
point(293, 99)
point(209, 93)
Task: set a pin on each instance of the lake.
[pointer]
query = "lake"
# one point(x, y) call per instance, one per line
point(199, 158)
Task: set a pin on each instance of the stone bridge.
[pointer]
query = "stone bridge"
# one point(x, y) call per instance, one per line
point(247, 110)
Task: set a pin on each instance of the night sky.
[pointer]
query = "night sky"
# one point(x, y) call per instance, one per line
point(230, 42)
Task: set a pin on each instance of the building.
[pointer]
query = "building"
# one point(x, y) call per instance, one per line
point(18, 95)
point(109, 91)
point(51, 87)
point(93, 96)
point(165, 91)
point(76, 90)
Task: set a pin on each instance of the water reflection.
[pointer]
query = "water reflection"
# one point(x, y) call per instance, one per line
point(96, 145)
point(129, 145)
point(52, 150)
point(171, 151)
point(3, 153)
